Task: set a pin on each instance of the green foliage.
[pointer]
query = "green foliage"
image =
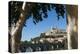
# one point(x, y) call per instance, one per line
point(39, 11)
point(14, 11)
point(25, 42)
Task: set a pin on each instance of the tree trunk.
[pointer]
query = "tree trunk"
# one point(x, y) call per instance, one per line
point(72, 26)
point(16, 31)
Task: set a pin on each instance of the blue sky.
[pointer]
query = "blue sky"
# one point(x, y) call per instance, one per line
point(33, 30)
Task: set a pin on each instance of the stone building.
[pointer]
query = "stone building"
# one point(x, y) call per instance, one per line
point(54, 36)
point(53, 39)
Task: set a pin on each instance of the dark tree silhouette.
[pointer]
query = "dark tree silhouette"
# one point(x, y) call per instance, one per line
point(18, 17)
point(38, 11)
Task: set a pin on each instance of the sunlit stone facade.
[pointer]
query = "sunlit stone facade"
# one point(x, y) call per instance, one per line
point(53, 39)
point(51, 36)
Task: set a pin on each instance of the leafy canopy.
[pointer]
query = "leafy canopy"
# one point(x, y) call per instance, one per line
point(38, 12)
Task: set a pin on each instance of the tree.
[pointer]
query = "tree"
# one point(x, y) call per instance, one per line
point(72, 26)
point(18, 16)
point(20, 12)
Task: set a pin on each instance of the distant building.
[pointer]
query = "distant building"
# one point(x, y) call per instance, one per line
point(54, 39)
point(51, 36)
